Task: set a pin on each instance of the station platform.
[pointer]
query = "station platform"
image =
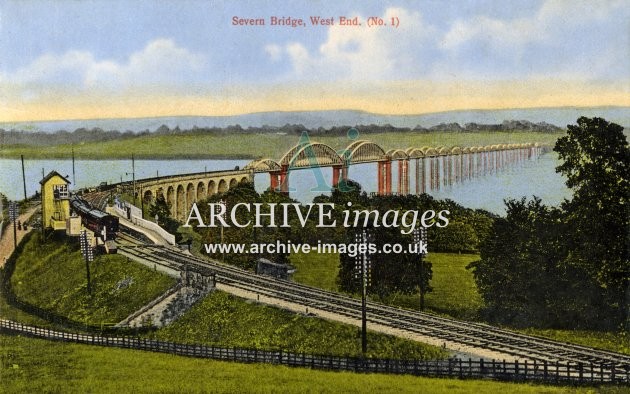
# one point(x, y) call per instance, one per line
point(156, 238)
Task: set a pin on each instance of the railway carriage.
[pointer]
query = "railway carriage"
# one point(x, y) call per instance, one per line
point(100, 223)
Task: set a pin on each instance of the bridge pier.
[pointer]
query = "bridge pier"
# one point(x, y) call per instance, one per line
point(420, 176)
point(438, 169)
point(403, 176)
point(385, 177)
point(336, 174)
point(280, 180)
point(433, 171)
point(444, 170)
point(274, 180)
point(340, 174)
point(284, 179)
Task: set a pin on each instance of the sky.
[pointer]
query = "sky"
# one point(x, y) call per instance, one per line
point(88, 59)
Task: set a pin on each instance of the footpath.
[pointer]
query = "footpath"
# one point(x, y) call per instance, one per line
point(6, 241)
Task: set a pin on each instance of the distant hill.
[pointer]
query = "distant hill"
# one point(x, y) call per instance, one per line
point(327, 119)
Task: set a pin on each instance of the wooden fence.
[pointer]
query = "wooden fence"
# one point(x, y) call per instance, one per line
point(545, 372)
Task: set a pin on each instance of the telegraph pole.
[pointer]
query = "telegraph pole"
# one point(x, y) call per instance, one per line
point(74, 179)
point(223, 215)
point(23, 176)
point(362, 264)
point(42, 211)
point(133, 174)
point(420, 237)
point(133, 178)
point(141, 203)
point(13, 215)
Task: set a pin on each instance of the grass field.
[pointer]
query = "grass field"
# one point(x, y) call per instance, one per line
point(317, 270)
point(34, 365)
point(52, 276)
point(454, 291)
point(257, 145)
point(222, 319)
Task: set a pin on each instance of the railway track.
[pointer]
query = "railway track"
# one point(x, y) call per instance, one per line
point(97, 199)
point(471, 334)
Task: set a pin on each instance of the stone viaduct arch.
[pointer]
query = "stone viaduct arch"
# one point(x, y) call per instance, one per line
point(181, 191)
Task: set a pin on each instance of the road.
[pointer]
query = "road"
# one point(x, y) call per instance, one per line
point(6, 241)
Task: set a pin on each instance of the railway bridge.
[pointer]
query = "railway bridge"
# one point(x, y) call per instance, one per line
point(433, 167)
point(430, 168)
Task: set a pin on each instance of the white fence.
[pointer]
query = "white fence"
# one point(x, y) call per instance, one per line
point(123, 207)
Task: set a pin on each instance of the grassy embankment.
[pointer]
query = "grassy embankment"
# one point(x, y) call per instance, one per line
point(33, 365)
point(256, 145)
point(52, 276)
point(454, 294)
point(225, 320)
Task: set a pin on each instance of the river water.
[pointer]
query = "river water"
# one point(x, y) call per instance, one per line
point(535, 177)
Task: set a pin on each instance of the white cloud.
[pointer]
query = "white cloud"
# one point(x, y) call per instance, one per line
point(160, 62)
point(570, 39)
point(554, 15)
point(497, 33)
point(274, 51)
point(359, 53)
point(577, 11)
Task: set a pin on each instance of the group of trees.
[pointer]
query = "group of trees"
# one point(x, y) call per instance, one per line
point(78, 136)
point(566, 266)
point(97, 134)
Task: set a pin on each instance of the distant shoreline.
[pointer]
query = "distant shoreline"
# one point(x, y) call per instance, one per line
point(255, 146)
point(559, 116)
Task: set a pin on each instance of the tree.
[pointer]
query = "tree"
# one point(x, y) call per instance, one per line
point(596, 163)
point(390, 273)
point(566, 266)
point(248, 235)
point(523, 276)
point(162, 209)
point(456, 237)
